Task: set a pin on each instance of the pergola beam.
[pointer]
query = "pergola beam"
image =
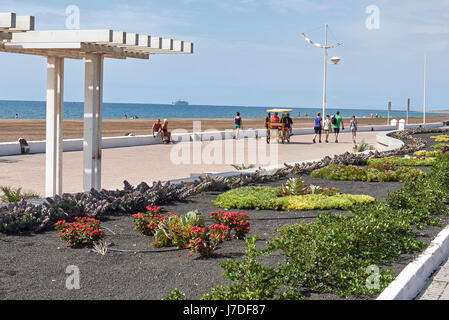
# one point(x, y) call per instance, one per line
point(10, 22)
point(63, 36)
point(7, 20)
point(73, 50)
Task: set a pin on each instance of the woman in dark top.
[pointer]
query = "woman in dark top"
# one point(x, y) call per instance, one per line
point(318, 126)
point(238, 124)
point(267, 120)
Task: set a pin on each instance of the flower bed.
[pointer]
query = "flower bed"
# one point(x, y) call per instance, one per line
point(260, 198)
point(204, 240)
point(147, 223)
point(189, 230)
point(235, 221)
point(383, 171)
point(84, 231)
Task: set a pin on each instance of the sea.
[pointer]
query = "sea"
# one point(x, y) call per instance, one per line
point(74, 110)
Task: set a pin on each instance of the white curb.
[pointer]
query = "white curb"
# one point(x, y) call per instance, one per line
point(410, 282)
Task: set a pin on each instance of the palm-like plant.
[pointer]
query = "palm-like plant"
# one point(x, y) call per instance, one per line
point(11, 194)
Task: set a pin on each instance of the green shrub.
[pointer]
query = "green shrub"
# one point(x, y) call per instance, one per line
point(250, 280)
point(439, 146)
point(175, 294)
point(260, 198)
point(441, 138)
point(407, 162)
point(382, 172)
point(424, 153)
point(333, 253)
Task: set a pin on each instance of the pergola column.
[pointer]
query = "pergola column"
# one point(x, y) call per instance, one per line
point(54, 126)
point(93, 103)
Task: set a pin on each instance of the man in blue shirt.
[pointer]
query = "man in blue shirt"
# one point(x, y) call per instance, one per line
point(318, 126)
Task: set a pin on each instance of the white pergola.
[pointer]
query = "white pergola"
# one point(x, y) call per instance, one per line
point(17, 35)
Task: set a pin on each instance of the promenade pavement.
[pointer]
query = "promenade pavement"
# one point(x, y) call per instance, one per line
point(438, 285)
point(155, 162)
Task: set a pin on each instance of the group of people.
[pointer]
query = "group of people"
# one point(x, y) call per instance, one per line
point(286, 120)
point(333, 124)
point(328, 124)
point(161, 129)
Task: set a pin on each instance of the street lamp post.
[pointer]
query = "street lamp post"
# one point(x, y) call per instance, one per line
point(334, 60)
point(425, 93)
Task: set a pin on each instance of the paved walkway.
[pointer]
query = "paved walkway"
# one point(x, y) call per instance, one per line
point(155, 162)
point(438, 287)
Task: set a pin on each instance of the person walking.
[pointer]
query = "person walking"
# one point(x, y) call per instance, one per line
point(267, 120)
point(289, 124)
point(327, 127)
point(337, 122)
point(353, 127)
point(318, 127)
point(238, 125)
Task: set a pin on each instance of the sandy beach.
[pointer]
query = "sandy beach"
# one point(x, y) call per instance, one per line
point(34, 129)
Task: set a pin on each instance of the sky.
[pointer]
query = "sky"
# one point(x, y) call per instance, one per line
point(251, 52)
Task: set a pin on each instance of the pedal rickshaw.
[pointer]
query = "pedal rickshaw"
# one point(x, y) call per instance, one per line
point(278, 129)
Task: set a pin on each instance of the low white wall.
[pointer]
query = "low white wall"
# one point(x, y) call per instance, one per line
point(13, 148)
point(388, 143)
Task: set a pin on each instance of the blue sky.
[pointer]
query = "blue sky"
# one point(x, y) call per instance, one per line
point(250, 52)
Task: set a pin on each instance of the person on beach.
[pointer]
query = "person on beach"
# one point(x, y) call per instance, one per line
point(327, 127)
point(289, 124)
point(353, 127)
point(267, 120)
point(165, 132)
point(318, 127)
point(337, 121)
point(237, 124)
point(157, 127)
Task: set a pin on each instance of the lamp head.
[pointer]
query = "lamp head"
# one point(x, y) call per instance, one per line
point(335, 60)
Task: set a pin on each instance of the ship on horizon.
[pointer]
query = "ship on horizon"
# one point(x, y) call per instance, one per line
point(180, 103)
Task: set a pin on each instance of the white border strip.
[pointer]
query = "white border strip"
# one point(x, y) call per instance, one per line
point(13, 148)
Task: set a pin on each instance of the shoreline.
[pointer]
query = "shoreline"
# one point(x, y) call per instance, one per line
point(34, 129)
